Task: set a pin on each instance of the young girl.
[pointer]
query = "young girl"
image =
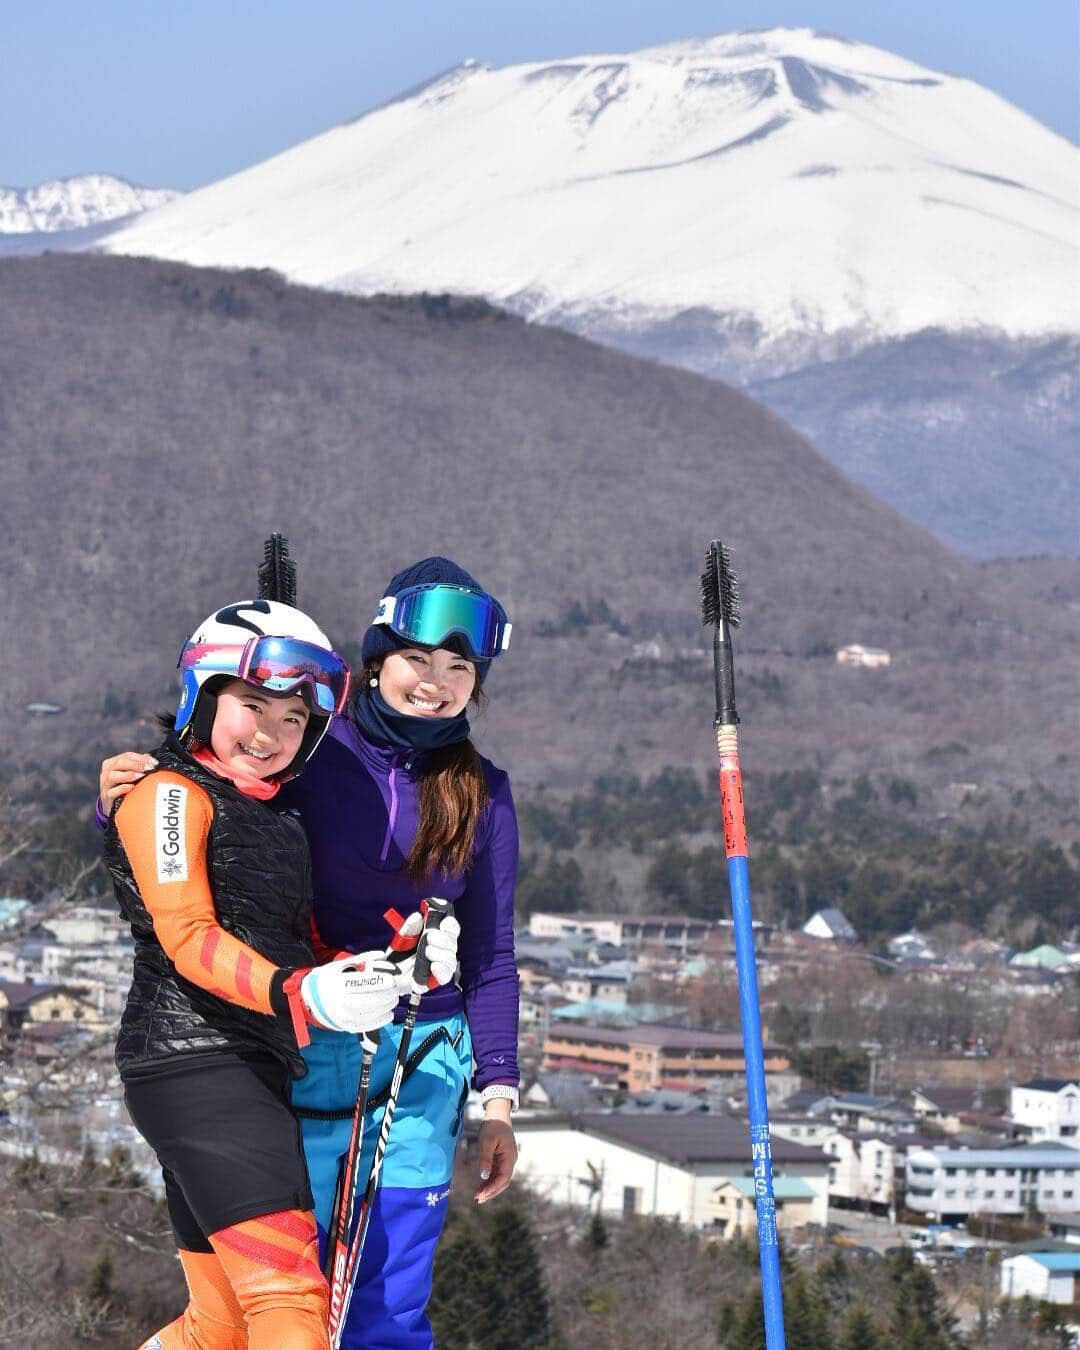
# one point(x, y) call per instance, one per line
point(399, 805)
point(215, 882)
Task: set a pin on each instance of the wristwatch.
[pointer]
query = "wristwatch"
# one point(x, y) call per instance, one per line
point(489, 1094)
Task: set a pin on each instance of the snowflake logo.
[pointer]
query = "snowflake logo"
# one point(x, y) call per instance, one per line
point(171, 867)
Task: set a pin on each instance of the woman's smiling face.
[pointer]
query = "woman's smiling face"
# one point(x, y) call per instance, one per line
point(423, 683)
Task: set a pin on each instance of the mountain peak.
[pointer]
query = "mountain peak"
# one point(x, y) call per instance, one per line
point(788, 185)
point(73, 202)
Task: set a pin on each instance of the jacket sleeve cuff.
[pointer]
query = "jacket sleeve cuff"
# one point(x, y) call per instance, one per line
point(286, 1001)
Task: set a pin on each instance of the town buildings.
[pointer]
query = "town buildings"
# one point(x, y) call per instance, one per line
point(693, 1168)
point(951, 1184)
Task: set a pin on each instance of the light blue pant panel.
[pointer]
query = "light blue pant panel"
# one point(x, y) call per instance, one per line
point(387, 1311)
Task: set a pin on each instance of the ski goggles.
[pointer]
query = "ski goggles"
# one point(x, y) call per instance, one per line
point(428, 615)
point(279, 664)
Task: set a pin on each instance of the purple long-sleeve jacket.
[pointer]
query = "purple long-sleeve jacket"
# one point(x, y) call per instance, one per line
point(358, 804)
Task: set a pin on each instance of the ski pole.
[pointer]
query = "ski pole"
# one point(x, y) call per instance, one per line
point(720, 608)
point(438, 911)
point(344, 1201)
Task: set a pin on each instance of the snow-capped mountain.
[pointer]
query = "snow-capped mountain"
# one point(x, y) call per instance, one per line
point(887, 256)
point(73, 203)
point(783, 185)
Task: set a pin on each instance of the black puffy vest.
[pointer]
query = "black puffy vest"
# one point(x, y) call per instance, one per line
point(260, 875)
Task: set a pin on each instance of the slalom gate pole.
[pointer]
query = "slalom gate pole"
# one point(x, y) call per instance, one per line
point(341, 1292)
point(720, 608)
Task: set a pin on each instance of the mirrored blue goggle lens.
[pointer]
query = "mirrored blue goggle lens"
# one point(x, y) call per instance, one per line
point(283, 663)
point(430, 617)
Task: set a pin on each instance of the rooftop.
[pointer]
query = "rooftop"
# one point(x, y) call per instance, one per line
point(784, 1188)
point(1053, 1260)
point(691, 1138)
point(1026, 1155)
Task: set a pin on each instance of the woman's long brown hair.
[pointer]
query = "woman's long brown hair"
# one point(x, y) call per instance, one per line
point(453, 795)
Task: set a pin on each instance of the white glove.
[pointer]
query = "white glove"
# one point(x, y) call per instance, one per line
point(441, 944)
point(354, 994)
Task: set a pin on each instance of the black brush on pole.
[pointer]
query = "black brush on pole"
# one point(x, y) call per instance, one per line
point(277, 572)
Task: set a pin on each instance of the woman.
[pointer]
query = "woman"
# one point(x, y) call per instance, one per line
point(398, 805)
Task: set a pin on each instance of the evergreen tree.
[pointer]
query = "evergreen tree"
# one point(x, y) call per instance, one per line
point(750, 1327)
point(919, 1321)
point(860, 1331)
point(466, 1304)
point(525, 1323)
point(806, 1323)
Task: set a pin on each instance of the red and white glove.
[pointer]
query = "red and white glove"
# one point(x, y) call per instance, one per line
point(354, 994)
point(441, 942)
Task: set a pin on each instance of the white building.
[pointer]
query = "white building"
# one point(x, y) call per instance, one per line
point(830, 924)
point(862, 1167)
point(1047, 1108)
point(856, 654)
point(678, 1167)
point(86, 925)
point(955, 1182)
point(1050, 1277)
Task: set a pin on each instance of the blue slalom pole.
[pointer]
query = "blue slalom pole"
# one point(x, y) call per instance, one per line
point(720, 608)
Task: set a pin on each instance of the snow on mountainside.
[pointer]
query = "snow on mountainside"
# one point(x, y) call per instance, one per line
point(780, 188)
point(73, 203)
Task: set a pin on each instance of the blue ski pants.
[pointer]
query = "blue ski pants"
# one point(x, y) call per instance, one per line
point(394, 1280)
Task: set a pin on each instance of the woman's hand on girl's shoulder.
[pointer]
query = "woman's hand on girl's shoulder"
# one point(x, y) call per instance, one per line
point(120, 773)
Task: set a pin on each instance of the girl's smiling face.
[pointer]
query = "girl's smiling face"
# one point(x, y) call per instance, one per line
point(422, 683)
point(257, 733)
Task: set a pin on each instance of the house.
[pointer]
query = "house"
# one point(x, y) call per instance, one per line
point(1066, 1228)
point(951, 1109)
point(654, 1056)
point(810, 1131)
point(81, 925)
point(910, 947)
point(951, 1183)
point(831, 925)
point(676, 1166)
point(1047, 1108)
point(736, 1205)
point(607, 982)
point(23, 1004)
point(861, 1111)
point(1045, 957)
point(856, 654)
point(1049, 1277)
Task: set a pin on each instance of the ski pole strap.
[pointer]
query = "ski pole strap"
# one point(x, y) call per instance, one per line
point(400, 942)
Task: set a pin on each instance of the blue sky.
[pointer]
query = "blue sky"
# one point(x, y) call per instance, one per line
point(181, 93)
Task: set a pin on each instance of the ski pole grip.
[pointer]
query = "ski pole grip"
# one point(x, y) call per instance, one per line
point(438, 911)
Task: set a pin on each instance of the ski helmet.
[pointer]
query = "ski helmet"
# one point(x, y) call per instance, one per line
point(271, 646)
